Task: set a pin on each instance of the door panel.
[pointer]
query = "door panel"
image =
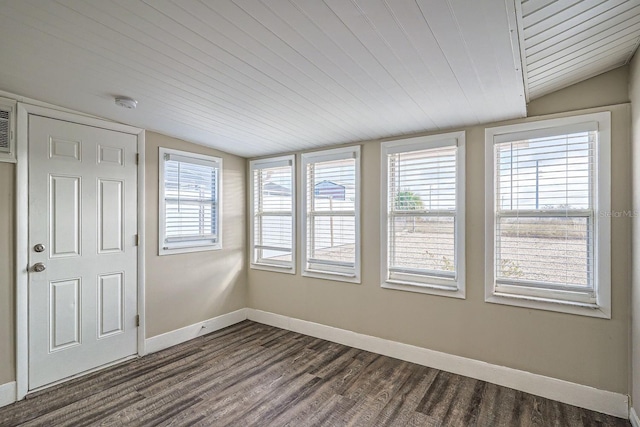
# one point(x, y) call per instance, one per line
point(110, 304)
point(64, 211)
point(61, 149)
point(113, 155)
point(83, 208)
point(64, 312)
point(110, 216)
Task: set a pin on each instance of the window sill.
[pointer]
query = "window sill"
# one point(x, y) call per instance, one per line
point(338, 277)
point(273, 268)
point(560, 306)
point(443, 291)
point(182, 250)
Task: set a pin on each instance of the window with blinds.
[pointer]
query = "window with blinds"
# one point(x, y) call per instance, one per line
point(547, 205)
point(273, 210)
point(331, 209)
point(189, 199)
point(423, 212)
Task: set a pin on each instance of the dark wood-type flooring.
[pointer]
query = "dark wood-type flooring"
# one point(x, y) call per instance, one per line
point(255, 375)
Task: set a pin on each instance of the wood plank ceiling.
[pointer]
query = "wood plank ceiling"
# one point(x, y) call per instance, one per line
point(256, 77)
point(564, 42)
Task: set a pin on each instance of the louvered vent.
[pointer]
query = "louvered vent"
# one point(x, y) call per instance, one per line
point(5, 131)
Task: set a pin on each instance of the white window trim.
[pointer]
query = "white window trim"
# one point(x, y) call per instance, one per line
point(260, 164)
point(161, 204)
point(326, 155)
point(602, 207)
point(449, 288)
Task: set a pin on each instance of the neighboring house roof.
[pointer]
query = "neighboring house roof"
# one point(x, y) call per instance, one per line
point(330, 189)
point(273, 189)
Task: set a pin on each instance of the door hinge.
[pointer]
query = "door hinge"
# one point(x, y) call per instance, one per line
point(137, 158)
point(137, 320)
point(136, 240)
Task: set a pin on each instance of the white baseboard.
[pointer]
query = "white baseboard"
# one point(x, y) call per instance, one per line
point(7, 393)
point(633, 417)
point(169, 339)
point(607, 402)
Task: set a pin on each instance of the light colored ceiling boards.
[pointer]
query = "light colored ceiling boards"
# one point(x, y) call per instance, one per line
point(566, 41)
point(255, 77)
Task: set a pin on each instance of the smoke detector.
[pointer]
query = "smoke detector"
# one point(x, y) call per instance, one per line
point(126, 102)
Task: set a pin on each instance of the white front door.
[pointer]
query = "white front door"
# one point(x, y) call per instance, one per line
point(82, 230)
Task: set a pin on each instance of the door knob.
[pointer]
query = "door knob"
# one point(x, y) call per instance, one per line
point(39, 247)
point(39, 267)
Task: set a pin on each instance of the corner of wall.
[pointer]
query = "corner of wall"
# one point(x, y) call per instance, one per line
point(634, 95)
point(608, 88)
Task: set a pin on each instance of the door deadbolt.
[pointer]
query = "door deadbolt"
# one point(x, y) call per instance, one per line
point(39, 267)
point(39, 247)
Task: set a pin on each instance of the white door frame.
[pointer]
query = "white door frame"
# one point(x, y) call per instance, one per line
point(22, 229)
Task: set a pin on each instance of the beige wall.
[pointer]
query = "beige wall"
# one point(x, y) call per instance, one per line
point(606, 89)
point(184, 289)
point(579, 349)
point(7, 267)
point(634, 91)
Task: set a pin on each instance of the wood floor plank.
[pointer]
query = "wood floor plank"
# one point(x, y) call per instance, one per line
point(250, 394)
point(497, 407)
point(375, 399)
point(400, 409)
point(308, 404)
point(207, 385)
point(280, 398)
point(256, 375)
point(328, 413)
point(76, 414)
point(423, 420)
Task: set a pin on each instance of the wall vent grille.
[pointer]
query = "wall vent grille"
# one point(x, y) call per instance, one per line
point(5, 130)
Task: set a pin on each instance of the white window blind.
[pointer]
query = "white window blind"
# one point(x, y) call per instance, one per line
point(273, 207)
point(545, 214)
point(423, 214)
point(332, 212)
point(190, 201)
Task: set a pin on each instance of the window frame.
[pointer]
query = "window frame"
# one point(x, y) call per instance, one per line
point(455, 288)
point(174, 248)
point(556, 299)
point(264, 164)
point(338, 274)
